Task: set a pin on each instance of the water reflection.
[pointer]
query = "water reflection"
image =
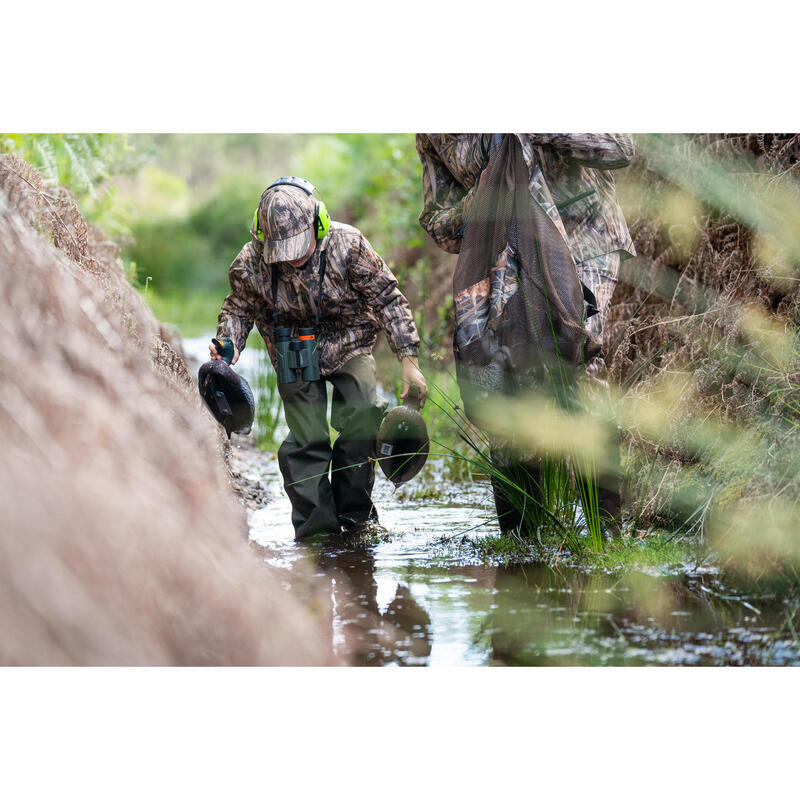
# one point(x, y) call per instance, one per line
point(538, 615)
point(551, 616)
point(362, 633)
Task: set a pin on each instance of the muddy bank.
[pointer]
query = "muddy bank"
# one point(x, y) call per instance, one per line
point(122, 541)
point(243, 460)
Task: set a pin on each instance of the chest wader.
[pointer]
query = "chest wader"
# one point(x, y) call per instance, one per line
point(323, 504)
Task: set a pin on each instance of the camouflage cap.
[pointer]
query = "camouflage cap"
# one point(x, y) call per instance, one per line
point(286, 217)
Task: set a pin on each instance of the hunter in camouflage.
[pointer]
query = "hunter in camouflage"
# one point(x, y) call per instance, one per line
point(570, 176)
point(359, 298)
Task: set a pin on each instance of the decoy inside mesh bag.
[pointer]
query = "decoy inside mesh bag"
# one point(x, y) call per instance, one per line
point(517, 296)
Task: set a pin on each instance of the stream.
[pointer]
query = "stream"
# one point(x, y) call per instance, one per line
point(422, 594)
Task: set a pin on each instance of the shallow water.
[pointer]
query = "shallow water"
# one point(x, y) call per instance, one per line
point(423, 597)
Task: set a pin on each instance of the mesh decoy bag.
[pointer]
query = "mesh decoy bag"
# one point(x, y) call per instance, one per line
point(517, 296)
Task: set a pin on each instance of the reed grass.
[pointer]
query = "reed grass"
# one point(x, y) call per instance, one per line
point(269, 405)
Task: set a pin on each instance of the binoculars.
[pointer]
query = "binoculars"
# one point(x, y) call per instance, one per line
point(297, 354)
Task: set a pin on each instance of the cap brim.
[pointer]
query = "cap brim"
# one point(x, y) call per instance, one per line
point(291, 249)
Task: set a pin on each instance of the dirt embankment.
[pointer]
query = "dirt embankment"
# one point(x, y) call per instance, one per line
point(122, 541)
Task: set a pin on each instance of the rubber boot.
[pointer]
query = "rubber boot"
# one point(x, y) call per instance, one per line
point(610, 505)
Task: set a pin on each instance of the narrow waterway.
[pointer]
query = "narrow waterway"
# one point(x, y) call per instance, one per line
point(424, 597)
point(422, 594)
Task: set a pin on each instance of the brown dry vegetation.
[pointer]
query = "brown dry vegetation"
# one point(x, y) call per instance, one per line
point(711, 295)
point(704, 248)
point(122, 542)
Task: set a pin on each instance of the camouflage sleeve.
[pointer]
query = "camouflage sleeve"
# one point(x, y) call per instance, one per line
point(370, 277)
point(446, 203)
point(597, 150)
point(239, 308)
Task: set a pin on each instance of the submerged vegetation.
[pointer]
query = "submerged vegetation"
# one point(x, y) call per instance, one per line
point(659, 551)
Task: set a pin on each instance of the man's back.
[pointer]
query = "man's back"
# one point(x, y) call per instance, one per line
point(571, 176)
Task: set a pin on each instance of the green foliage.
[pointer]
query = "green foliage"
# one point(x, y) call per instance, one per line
point(81, 161)
point(174, 257)
point(659, 551)
point(192, 252)
point(201, 160)
point(85, 164)
point(192, 314)
point(372, 181)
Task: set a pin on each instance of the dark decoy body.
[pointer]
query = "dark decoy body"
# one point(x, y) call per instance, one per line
point(403, 443)
point(227, 394)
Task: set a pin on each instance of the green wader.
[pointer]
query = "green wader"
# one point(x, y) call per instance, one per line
point(323, 504)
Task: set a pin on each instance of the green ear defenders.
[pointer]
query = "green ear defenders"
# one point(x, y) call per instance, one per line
point(322, 219)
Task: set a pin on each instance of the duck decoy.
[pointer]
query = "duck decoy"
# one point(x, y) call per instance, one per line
point(226, 393)
point(403, 443)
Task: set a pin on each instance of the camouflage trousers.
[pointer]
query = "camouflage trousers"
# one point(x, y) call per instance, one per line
point(330, 487)
point(600, 276)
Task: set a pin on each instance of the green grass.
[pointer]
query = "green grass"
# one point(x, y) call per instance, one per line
point(659, 551)
point(430, 489)
point(268, 400)
point(503, 550)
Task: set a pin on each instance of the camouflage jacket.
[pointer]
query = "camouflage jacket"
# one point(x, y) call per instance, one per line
point(571, 176)
point(360, 297)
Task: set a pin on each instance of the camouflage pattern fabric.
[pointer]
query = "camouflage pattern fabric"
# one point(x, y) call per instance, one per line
point(451, 165)
point(286, 217)
point(478, 306)
point(360, 298)
point(570, 176)
point(600, 275)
